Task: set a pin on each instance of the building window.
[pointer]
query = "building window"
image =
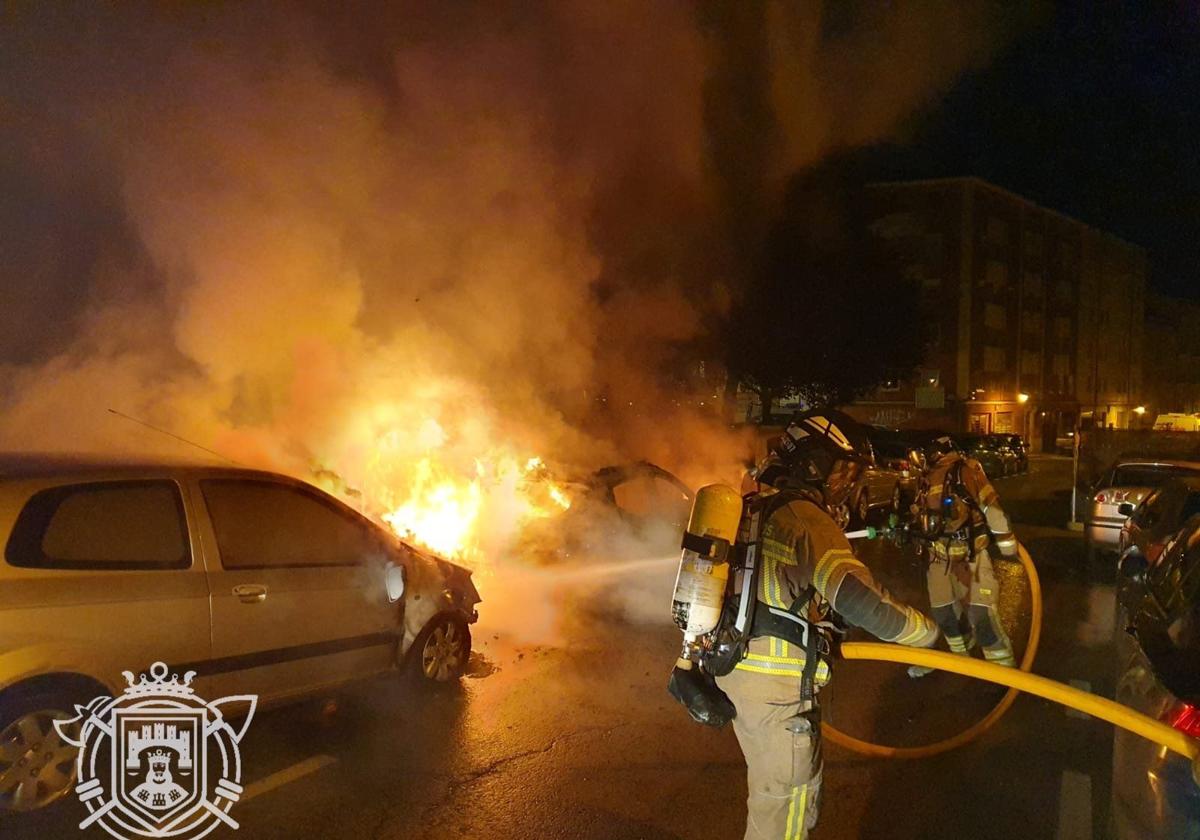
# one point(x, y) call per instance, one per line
point(996, 276)
point(1031, 362)
point(993, 359)
point(997, 231)
point(979, 423)
point(1062, 291)
point(994, 316)
point(1033, 244)
point(1004, 422)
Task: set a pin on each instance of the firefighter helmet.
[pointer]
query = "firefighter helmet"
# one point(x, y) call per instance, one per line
point(821, 448)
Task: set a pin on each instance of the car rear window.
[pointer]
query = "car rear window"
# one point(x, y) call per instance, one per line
point(1145, 475)
point(263, 525)
point(102, 525)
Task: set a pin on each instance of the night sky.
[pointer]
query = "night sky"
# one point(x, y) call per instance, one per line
point(1096, 113)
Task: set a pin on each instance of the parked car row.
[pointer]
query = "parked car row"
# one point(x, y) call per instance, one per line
point(891, 483)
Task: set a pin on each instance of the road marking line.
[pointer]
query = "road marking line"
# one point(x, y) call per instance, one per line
point(287, 775)
point(1082, 685)
point(1074, 807)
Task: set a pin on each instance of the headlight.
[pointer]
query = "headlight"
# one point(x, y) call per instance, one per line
point(393, 579)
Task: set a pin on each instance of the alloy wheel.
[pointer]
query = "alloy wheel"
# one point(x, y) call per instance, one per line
point(442, 656)
point(36, 765)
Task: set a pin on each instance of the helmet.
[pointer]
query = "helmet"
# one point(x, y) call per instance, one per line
point(940, 445)
point(821, 448)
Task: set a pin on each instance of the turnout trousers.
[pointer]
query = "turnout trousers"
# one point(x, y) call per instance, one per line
point(960, 583)
point(782, 751)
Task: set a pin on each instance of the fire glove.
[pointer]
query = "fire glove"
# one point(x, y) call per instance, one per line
point(699, 694)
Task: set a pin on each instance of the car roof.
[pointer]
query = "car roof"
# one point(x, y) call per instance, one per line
point(1163, 462)
point(19, 465)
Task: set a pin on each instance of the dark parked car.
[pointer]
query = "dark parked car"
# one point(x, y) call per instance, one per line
point(897, 476)
point(1153, 792)
point(997, 459)
point(1019, 448)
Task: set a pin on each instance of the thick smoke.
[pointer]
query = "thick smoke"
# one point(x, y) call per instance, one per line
point(337, 237)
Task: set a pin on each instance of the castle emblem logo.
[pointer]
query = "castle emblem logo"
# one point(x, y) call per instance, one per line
point(145, 768)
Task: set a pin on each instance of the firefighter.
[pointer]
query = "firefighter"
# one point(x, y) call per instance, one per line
point(807, 575)
point(960, 514)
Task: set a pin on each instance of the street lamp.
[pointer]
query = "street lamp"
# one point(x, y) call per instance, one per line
point(1022, 398)
point(1141, 409)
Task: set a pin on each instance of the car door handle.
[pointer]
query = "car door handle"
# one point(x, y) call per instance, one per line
point(250, 593)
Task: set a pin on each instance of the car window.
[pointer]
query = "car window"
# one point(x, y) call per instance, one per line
point(102, 525)
point(264, 524)
point(1145, 475)
point(1148, 511)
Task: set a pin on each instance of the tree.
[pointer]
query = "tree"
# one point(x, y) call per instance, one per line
point(828, 311)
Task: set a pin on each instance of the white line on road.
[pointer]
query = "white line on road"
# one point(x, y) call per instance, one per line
point(1074, 807)
point(287, 775)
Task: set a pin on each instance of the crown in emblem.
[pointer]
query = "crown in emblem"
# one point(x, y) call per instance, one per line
point(160, 681)
point(159, 753)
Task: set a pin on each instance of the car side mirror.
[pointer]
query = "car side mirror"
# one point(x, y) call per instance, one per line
point(1125, 508)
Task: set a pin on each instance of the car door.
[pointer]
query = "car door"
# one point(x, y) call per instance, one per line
point(105, 578)
point(299, 600)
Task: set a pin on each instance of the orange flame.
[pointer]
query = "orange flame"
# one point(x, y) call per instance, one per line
point(453, 511)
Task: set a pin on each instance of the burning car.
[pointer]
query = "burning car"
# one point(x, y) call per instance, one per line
point(259, 583)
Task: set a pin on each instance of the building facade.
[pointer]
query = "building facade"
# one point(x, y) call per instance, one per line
point(1035, 320)
point(1172, 356)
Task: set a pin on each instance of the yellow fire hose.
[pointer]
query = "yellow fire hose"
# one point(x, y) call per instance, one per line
point(863, 650)
point(1017, 681)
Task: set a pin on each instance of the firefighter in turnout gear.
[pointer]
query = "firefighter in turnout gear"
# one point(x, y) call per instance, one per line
point(805, 576)
point(960, 515)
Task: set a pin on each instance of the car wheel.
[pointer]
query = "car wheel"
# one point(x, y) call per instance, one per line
point(862, 510)
point(841, 516)
point(441, 651)
point(36, 765)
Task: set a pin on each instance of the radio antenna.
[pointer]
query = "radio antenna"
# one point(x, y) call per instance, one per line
point(154, 428)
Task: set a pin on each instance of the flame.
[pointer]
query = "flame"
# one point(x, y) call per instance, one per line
point(459, 510)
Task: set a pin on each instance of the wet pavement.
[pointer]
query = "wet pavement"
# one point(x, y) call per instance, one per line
point(579, 739)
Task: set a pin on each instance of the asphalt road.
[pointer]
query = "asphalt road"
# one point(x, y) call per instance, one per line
point(577, 738)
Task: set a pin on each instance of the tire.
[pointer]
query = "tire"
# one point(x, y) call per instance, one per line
point(36, 766)
point(439, 654)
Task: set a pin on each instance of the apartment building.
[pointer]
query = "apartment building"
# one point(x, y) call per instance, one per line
point(1035, 320)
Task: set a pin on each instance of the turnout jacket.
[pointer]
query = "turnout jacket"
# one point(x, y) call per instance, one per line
point(803, 547)
point(956, 473)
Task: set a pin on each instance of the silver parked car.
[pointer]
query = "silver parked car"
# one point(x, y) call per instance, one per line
point(1119, 491)
point(259, 583)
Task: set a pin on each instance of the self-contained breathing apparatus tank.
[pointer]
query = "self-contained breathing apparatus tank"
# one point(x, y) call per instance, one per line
point(704, 565)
